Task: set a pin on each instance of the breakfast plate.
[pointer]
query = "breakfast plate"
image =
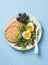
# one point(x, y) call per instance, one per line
point(20, 31)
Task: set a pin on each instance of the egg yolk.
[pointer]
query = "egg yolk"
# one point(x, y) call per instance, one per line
point(30, 28)
point(27, 34)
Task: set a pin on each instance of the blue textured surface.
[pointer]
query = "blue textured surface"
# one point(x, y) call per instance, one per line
point(10, 56)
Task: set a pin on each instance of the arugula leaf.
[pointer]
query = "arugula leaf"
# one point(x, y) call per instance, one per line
point(33, 35)
point(29, 41)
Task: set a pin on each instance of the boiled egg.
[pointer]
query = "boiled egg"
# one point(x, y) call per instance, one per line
point(30, 26)
point(26, 34)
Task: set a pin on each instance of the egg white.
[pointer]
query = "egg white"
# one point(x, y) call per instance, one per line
point(30, 24)
point(25, 36)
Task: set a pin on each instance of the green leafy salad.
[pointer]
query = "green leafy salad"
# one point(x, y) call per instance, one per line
point(27, 34)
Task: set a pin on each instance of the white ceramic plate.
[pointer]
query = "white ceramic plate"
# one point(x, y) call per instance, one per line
point(38, 25)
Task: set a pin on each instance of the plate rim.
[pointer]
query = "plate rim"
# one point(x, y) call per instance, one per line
point(16, 47)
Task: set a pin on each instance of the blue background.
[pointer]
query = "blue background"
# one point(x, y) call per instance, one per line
point(10, 56)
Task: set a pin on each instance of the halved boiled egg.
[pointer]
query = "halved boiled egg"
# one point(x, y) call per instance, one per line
point(26, 34)
point(30, 26)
